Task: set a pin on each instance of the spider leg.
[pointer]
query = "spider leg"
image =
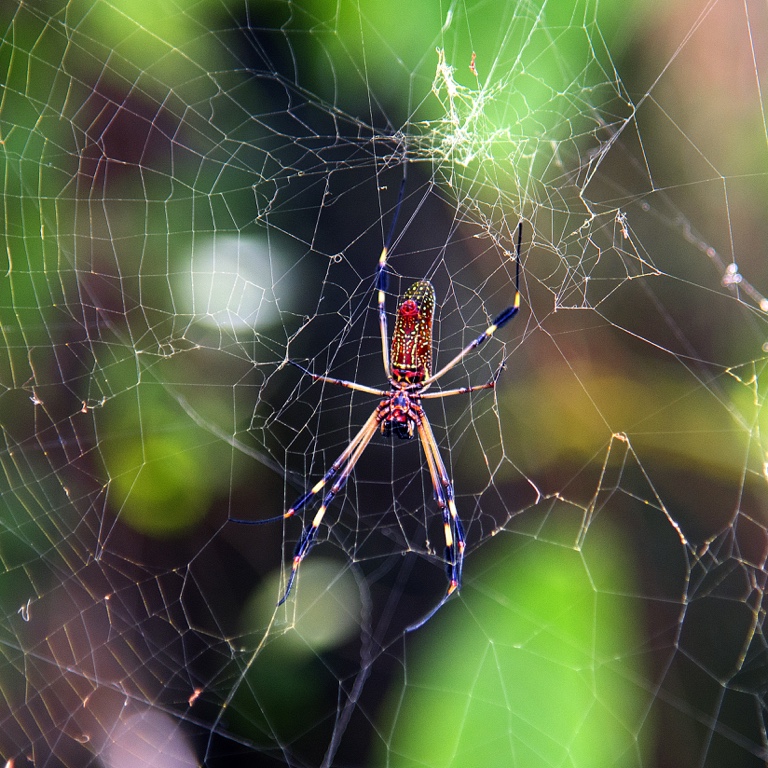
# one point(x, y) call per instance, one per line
point(350, 455)
point(501, 320)
point(382, 276)
point(455, 540)
point(464, 390)
point(341, 382)
point(318, 486)
point(382, 281)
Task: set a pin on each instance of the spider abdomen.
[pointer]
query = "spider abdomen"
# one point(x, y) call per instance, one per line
point(411, 353)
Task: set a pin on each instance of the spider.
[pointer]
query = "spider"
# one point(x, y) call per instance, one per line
point(408, 368)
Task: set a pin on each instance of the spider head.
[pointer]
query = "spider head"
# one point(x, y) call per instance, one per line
point(399, 421)
point(402, 429)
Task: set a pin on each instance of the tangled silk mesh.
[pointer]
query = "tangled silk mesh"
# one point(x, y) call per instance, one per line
point(196, 194)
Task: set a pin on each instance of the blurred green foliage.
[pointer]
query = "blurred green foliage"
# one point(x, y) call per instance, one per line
point(536, 663)
point(537, 667)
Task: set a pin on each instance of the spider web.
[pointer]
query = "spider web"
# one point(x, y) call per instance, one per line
point(196, 194)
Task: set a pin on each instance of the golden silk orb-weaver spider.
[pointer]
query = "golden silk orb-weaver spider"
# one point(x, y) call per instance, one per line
point(408, 368)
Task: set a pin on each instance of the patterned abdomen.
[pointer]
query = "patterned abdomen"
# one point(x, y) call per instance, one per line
point(411, 355)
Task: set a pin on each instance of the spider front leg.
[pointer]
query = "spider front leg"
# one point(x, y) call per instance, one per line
point(455, 540)
point(347, 460)
point(318, 486)
point(351, 455)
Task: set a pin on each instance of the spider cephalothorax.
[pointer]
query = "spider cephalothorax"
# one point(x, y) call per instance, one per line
point(398, 416)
